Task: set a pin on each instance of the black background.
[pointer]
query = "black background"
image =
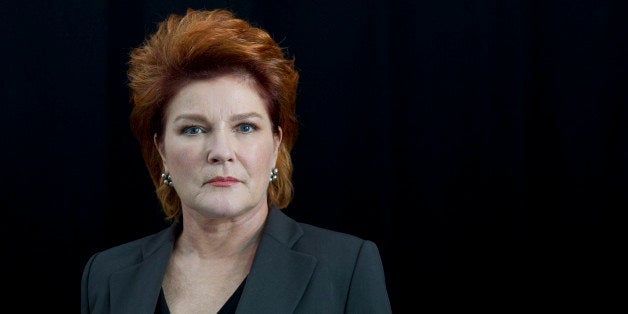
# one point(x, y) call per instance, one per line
point(481, 144)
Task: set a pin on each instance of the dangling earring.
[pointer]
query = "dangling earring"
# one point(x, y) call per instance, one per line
point(167, 179)
point(273, 174)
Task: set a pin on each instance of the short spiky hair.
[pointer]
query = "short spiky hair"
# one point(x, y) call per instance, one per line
point(202, 44)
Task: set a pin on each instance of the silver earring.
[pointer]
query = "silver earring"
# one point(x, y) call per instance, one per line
point(273, 174)
point(167, 179)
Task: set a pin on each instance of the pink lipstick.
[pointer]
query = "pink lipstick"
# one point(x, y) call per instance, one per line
point(223, 181)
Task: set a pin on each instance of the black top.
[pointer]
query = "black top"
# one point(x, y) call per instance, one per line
point(228, 308)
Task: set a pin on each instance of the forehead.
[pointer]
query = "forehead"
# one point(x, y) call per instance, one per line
point(225, 94)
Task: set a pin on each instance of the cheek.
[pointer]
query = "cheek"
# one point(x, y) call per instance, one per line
point(180, 155)
point(260, 158)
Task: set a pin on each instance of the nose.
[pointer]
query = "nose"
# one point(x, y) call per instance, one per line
point(220, 147)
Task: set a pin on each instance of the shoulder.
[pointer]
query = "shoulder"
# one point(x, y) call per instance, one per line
point(127, 254)
point(352, 263)
point(320, 242)
point(313, 233)
point(332, 245)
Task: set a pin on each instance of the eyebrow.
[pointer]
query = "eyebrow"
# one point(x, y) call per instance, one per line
point(237, 117)
point(244, 116)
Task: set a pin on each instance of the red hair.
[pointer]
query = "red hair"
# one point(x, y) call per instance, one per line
point(199, 45)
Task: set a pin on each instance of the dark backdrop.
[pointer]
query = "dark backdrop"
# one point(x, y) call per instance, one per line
point(481, 144)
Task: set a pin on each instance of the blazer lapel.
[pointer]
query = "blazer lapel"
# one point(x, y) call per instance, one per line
point(276, 282)
point(136, 289)
point(279, 275)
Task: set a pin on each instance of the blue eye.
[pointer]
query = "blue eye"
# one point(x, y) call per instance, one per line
point(192, 130)
point(246, 128)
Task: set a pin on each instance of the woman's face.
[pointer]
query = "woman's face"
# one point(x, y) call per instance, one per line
point(219, 147)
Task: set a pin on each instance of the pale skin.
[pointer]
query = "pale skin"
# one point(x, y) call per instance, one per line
point(219, 148)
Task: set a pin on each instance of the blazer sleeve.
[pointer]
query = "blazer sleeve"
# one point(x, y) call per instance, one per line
point(84, 284)
point(367, 293)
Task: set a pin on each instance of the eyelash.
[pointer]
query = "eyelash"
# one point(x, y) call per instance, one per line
point(251, 125)
point(187, 130)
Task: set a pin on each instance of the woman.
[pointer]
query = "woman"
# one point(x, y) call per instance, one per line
point(214, 112)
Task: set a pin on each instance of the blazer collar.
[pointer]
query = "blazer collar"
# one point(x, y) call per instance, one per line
point(279, 275)
point(136, 288)
point(277, 279)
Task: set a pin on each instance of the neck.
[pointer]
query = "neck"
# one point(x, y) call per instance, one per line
point(221, 238)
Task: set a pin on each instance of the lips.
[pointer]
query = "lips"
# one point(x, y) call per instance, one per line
point(223, 181)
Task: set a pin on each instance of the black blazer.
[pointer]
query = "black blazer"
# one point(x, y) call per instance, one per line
point(298, 268)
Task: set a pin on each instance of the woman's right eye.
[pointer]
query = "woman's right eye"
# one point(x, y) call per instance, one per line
point(192, 130)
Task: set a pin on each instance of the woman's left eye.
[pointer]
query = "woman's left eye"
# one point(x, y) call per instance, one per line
point(246, 128)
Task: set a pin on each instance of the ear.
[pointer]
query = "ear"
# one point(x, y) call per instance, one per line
point(277, 137)
point(159, 144)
